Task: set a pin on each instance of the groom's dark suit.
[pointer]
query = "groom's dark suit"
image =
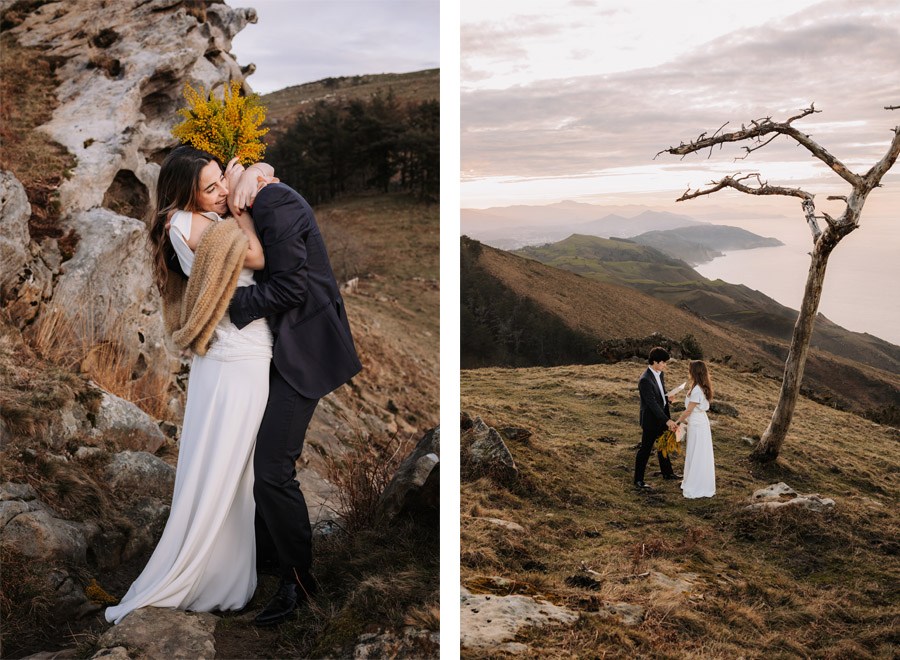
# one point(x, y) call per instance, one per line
point(313, 354)
point(654, 415)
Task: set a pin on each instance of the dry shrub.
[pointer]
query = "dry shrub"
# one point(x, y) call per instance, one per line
point(77, 341)
point(361, 478)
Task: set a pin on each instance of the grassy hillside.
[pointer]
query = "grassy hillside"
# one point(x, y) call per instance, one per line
point(673, 281)
point(788, 584)
point(286, 104)
point(603, 311)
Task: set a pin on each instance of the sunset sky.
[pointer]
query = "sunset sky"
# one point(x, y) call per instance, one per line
point(572, 100)
point(300, 41)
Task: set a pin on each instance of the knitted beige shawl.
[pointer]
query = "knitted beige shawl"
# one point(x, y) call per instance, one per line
point(193, 307)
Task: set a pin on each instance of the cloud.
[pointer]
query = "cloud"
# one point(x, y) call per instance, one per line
point(844, 59)
point(298, 42)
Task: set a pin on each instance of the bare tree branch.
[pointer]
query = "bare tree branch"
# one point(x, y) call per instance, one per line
point(737, 182)
point(892, 107)
point(760, 128)
point(879, 169)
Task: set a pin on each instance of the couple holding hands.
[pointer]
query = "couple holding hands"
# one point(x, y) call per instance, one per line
point(699, 479)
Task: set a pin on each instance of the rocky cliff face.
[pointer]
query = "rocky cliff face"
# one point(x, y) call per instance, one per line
point(124, 66)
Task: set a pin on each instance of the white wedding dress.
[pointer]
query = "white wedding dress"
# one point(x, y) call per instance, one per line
point(206, 558)
point(699, 465)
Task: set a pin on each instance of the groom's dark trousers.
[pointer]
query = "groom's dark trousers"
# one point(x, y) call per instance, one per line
point(313, 354)
point(654, 415)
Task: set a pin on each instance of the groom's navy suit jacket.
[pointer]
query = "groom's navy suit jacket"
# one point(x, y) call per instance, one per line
point(654, 406)
point(297, 293)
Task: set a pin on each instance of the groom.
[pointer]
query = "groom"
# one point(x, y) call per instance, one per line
point(654, 417)
point(313, 354)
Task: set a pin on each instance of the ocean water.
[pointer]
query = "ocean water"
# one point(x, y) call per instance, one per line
point(862, 282)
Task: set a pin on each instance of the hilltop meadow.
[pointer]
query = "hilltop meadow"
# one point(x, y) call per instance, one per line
point(710, 578)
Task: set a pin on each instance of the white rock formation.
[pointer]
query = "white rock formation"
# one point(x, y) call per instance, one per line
point(123, 83)
point(14, 213)
point(780, 495)
point(488, 621)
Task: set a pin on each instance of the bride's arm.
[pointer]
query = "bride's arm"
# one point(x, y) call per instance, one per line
point(255, 258)
point(687, 412)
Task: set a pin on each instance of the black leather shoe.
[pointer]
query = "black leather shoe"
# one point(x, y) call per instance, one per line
point(289, 596)
point(640, 485)
point(674, 475)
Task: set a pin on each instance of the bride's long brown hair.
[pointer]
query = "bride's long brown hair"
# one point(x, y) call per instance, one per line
point(699, 375)
point(176, 189)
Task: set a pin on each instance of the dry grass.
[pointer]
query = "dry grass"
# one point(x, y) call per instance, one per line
point(27, 88)
point(783, 584)
point(30, 387)
point(74, 340)
point(360, 479)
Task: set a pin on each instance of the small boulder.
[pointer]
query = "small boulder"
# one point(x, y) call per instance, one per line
point(415, 487)
point(506, 524)
point(134, 429)
point(41, 536)
point(14, 236)
point(142, 473)
point(722, 408)
point(486, 451)
point(158, 632)
point(780, 495)
point(628, 614)
point(516, 434)
point(780, 491)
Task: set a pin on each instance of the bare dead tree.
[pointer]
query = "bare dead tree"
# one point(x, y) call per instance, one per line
point(758, 134)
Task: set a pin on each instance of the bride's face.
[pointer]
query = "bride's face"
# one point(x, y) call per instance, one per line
point(213, 191)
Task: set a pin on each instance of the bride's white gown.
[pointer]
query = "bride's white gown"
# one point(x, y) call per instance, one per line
point(206, 558)
point(699, 466)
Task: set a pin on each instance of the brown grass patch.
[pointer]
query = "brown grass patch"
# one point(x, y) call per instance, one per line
point(75, 341)
point(28, 87)
point(796, 583)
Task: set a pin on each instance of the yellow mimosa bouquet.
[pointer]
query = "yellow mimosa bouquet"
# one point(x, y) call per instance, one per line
point(227, 128)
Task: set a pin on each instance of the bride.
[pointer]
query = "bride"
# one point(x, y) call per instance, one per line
point(699, 466)
point(205, 559)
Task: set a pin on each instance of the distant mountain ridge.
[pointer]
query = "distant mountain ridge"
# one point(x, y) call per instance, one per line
point(680, 236)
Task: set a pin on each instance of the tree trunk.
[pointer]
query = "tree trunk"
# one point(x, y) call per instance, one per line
point(769, 446)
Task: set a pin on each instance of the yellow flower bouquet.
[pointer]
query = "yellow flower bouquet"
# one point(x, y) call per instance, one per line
point(227, 128)
point(667, 444)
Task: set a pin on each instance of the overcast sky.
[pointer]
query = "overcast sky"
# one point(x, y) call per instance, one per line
point(299, 41)
point(572, 100)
